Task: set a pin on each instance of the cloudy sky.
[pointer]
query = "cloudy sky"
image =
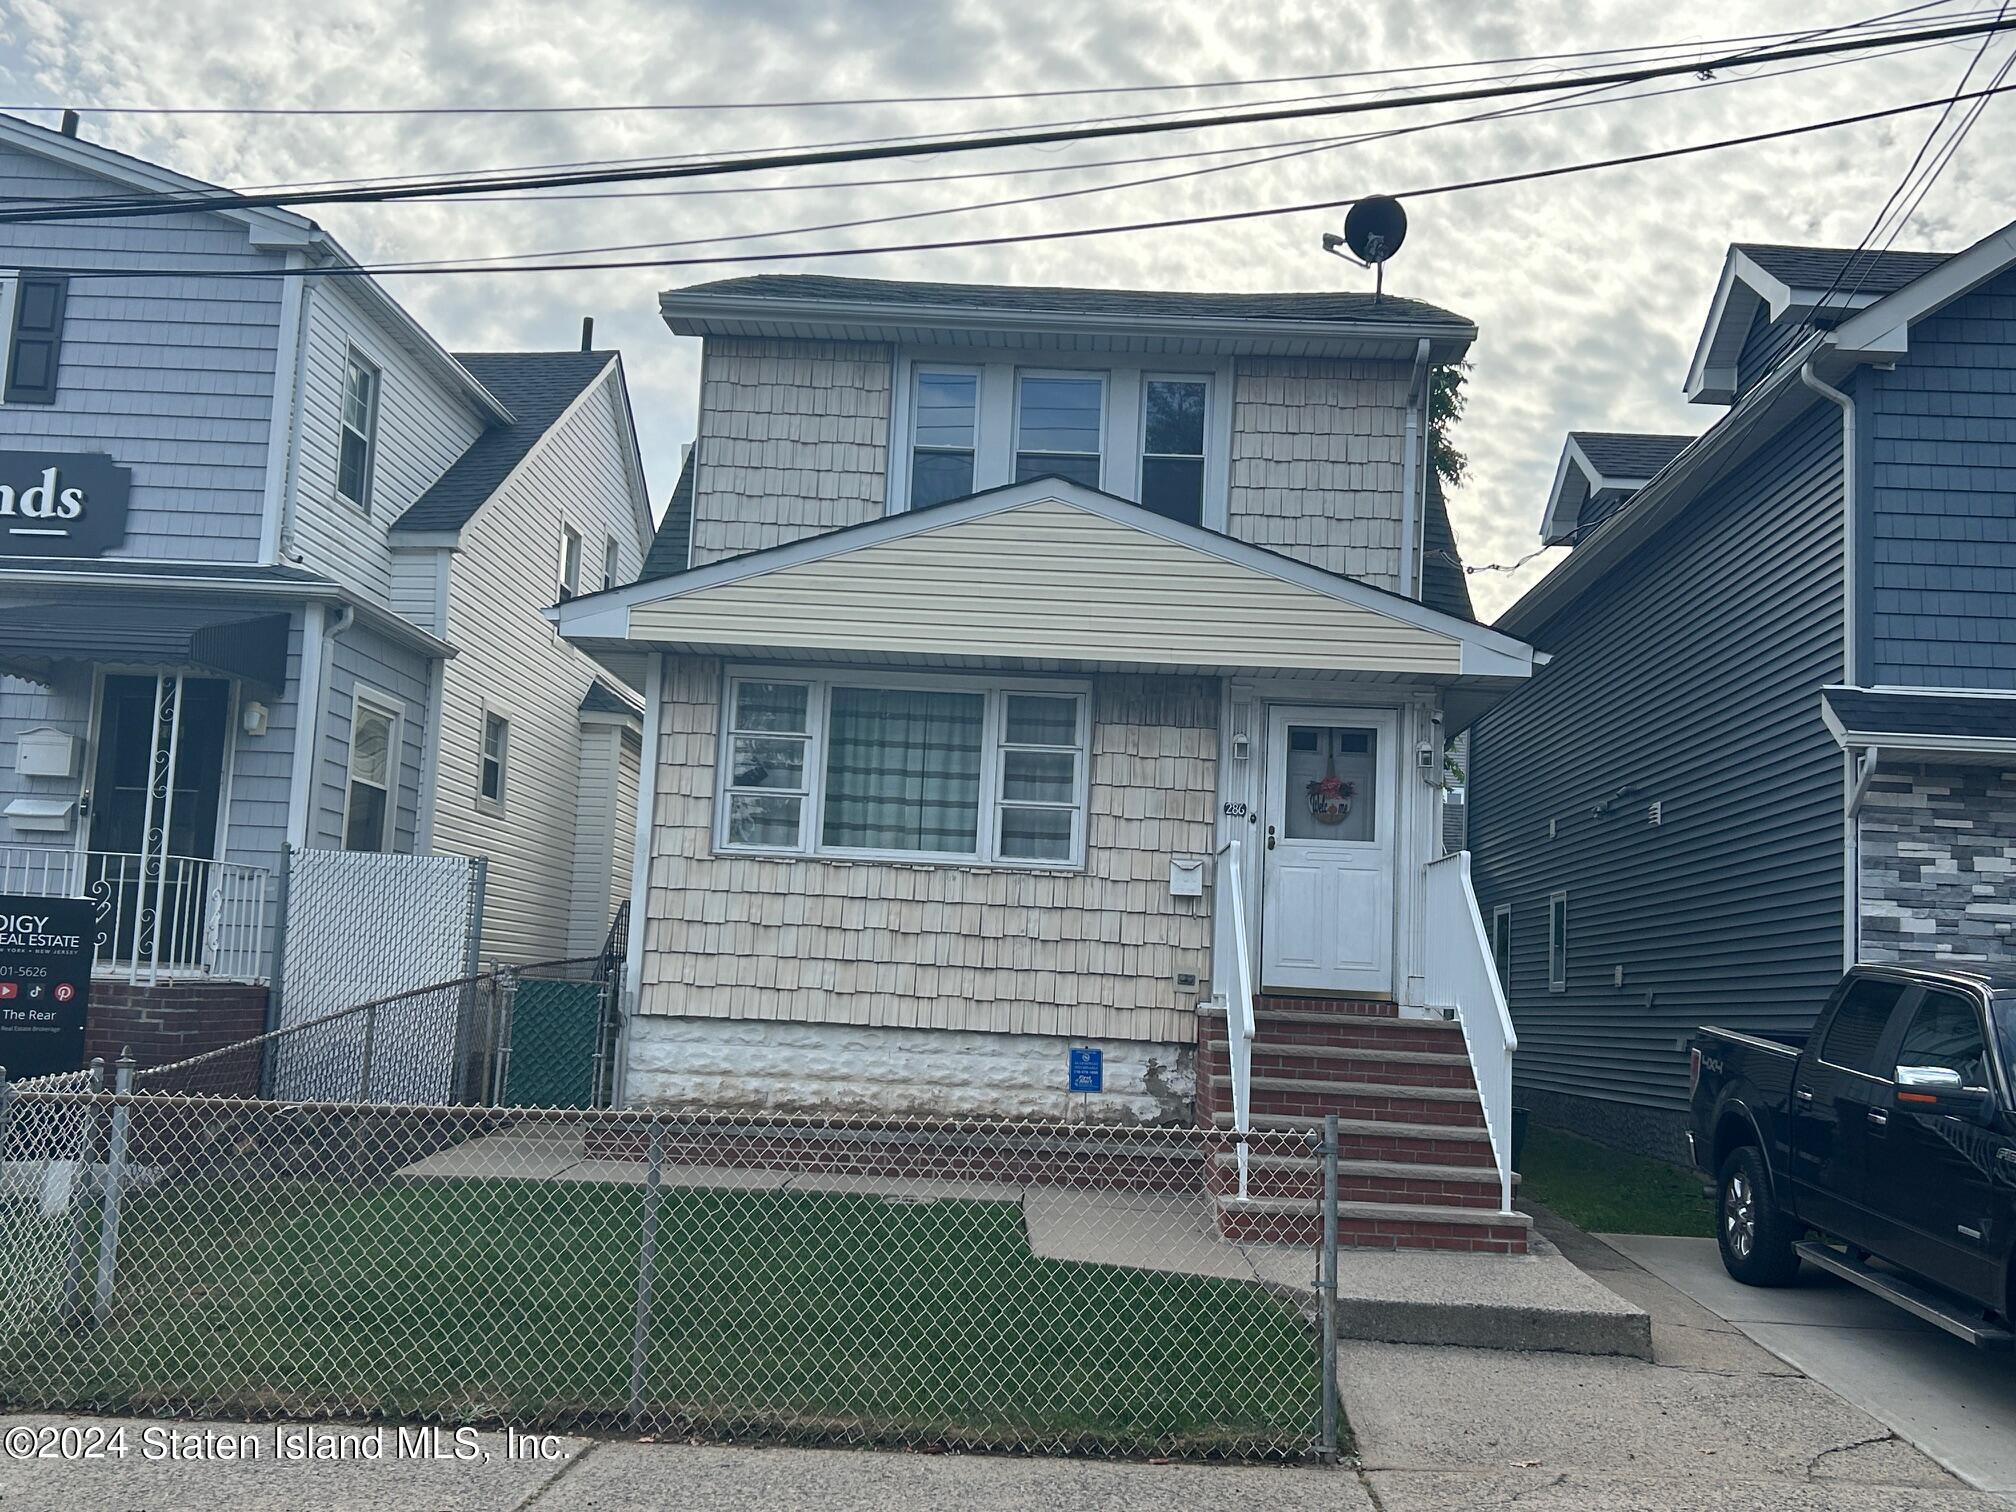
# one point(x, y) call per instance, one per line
point(1588, 290)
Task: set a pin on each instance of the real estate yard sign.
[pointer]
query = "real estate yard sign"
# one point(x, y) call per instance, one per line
point(45, 983)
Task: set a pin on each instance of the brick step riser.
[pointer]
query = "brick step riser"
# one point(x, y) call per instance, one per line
point(1369, 1107)
point(1307, 1185)
point(1342, 1007)
point(1371, 1233)
point(1344, 1034)
point(1216, 1060)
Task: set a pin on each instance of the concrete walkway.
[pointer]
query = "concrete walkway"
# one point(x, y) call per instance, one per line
point(1952, 1401)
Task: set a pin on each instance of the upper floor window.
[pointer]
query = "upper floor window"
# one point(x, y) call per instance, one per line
point(1173, 412)
point(570, 563)
point(360, 432)
point(35, 338)
point(612, 563)
point(1059, 420)
point(496, 751)
point(944, 431)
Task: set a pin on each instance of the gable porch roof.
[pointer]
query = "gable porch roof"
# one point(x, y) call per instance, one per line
point(1043, 574)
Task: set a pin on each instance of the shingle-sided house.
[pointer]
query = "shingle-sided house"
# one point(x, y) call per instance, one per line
point(1042, 678)
point(296, 598)
point(1774, 734)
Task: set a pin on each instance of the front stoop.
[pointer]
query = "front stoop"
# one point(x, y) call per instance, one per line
point(1415, 1168)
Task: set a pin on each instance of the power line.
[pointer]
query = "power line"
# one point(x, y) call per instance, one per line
point(1026, 237)
point(1082, 91)
point(155, 205)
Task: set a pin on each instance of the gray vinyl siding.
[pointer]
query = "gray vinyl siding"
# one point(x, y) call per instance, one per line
point(1941, 559)
point(172, 377)
point(1690, 675)
point(1767, 341)
point(360, 656)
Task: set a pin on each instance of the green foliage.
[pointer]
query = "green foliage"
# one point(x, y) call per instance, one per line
point(1446, 402)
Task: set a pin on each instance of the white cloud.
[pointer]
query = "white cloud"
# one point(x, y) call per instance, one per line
point(1588, 290)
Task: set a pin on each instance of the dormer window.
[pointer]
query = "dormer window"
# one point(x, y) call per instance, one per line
point(947, 423)
point(1059, 419)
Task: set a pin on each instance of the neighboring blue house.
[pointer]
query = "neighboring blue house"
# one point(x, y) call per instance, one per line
point(271, 571)
point(1778, 733)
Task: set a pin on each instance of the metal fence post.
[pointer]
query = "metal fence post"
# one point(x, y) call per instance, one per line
point(7, 1096)
point(115, 1171)
point(1326, 1440)
point(370, 1048)
point(79, 1203)
point(647, 1272)
point(507, 999)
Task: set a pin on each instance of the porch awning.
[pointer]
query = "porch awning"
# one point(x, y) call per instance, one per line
point(1927, 726)
point(228, 640)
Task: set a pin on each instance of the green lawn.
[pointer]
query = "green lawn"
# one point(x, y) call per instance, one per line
point(797, 1315)
point(1605, 1191)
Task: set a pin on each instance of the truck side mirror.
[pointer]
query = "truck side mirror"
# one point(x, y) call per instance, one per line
point(1941, 1089)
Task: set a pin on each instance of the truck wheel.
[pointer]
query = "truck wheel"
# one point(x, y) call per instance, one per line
point(1755, 1237)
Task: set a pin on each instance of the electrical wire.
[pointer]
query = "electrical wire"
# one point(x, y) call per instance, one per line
point(172, 204)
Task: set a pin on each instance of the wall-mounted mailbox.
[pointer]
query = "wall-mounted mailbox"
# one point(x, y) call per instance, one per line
point(1186, 876)
point(45, 752)
point(42, 815)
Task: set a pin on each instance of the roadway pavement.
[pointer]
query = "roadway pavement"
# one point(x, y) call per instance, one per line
point(1954, 1402)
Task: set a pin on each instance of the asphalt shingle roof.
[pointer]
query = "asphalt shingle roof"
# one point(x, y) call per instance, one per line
point(536, 387)
point(1621, 454)
point(1869, 272)
point(1901, 715)
point(671, 545)
point(1327, 306)
point(1444, 584)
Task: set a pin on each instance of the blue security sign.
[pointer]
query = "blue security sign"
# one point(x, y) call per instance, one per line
point(1088, 1069)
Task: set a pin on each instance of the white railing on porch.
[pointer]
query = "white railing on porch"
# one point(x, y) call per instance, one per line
point(1232, 988)
point(1460, 975)
point(158, 916)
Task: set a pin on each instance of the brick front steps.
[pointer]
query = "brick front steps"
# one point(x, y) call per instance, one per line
point(1415, 1166)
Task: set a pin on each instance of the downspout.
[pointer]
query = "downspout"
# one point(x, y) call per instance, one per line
point(318, 632)
point(1410, 473)
point(1855, 774)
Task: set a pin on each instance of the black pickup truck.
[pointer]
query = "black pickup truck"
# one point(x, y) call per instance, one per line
point(1881, 1148)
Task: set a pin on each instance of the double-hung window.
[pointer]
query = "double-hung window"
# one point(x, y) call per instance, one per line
point(496, 752)
point(570, 563)
point(931, 769)
point(1059, 421)
point(357, 450)
point(1173, 412)
point(374, 759)
point(944, 430)
point(612, 563)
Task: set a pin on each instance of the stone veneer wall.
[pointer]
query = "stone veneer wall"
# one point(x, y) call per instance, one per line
point(1317, 449)
point(794, 441)
point(1938, 851)
point(1091, 954)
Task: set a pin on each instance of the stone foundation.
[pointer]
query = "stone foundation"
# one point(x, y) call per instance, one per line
point(170, 1021)
point(1938, 851)
point(748, 1065)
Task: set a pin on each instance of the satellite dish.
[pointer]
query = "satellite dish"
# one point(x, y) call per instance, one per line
point(1375, 228)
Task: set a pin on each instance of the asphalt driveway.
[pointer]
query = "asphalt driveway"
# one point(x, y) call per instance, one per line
point(1954, 1402)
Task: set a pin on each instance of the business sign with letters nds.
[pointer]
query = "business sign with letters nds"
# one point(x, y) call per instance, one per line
point(62, 504)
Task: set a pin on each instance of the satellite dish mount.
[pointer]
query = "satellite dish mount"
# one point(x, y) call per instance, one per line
point(1374, 228)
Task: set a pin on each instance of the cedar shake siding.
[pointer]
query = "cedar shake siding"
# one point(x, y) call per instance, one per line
point(794, 441)
point(1316, 462)
point(1092, 953)
point(1689, 676)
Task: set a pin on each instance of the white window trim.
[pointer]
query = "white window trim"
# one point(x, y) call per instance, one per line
point(570, 531)
point(1502, 914)
point(810, 812)
point(612, 563)
point(1106, 407)
point(1141, 453)
point(489, 805)
point(1125, 422)
point(354, 353)
point(920, 369)
point(1557, 944)
point(363, 696)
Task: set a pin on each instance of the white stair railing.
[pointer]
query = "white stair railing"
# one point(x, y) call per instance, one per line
point(1232, 988)
point(1460, 975)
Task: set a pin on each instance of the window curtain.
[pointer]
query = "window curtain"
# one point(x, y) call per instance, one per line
point(903, 770)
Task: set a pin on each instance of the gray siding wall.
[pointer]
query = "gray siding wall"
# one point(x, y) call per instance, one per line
point(358, 656)
point(1941, 532)
point(1690, 675)
point(171, 376)
point(1767, 341)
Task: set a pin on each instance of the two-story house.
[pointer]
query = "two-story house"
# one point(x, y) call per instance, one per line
point(1041, 684)
point(1775, 736)
point(272, 567)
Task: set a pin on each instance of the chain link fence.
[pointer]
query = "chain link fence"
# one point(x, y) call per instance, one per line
point(1025, 1287)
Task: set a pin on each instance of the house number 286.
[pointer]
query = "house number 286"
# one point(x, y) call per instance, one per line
point(1235, 811)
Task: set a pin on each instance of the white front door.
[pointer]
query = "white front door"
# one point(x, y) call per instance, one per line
point(1326, 898)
